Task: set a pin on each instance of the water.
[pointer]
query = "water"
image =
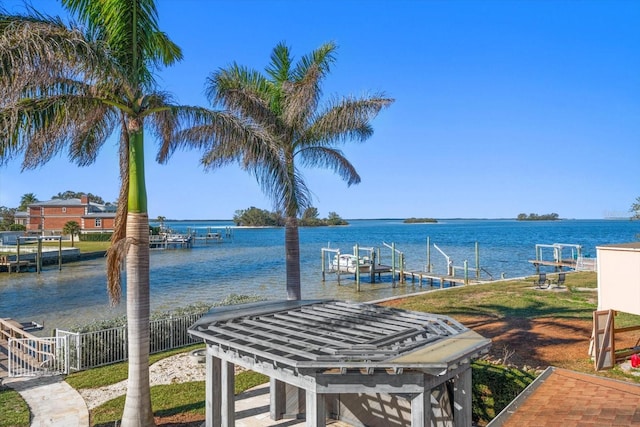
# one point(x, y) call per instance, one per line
point(253, 263)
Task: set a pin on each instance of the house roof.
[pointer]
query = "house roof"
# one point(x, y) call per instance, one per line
point(630, 245)
point(560, 397)
point(93, 207)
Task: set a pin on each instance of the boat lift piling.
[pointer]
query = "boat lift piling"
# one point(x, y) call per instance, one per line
point(38, 260)
point(452, 269)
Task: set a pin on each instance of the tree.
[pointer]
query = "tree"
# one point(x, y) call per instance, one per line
point(7, 217)
point(77, 195)
point(26, 200)
point(71, 228)
point(255, 217)
point(335, 219)
point(310, 218)
point(66, 86)
point(161, 219)
point(294, 130)
point(635, 209)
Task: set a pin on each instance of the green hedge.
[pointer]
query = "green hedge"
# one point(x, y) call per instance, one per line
point(95, 237)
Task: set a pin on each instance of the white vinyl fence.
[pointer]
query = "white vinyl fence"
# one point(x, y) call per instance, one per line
point(30, 357)
point(91, 349)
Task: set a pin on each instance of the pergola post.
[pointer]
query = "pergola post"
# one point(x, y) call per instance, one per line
point(315, 409)
point(213, 389)
point(421, 409)
point(462, 401)
point(278, 401)
point(228, 402)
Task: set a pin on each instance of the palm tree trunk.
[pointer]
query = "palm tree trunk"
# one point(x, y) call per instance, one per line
point(292, 253)
point(137, 407)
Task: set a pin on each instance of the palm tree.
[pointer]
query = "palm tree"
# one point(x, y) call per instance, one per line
point(26, 200)
point(71, 228)
point(285, 106)
point(66, 86)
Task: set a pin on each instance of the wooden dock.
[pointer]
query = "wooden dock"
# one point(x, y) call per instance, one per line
point(437, 280)
point(557, 265)
point(10, 265)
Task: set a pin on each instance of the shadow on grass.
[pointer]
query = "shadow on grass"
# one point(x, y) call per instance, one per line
point(494, 387)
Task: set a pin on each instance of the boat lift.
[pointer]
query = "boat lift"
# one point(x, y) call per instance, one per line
point(453, 270)
point(372, 267)
point(39, 240)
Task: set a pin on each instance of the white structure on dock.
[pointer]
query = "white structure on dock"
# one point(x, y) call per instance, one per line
point(618, 291)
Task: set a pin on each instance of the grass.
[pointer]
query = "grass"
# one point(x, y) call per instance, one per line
point(83, 246)
point(13, 409)
point(173, 399)
point(494, 386)
point(510, 299)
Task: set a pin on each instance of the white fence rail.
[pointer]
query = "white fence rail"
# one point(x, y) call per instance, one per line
point(38, 357)
point(586, 264)
point(91, 349)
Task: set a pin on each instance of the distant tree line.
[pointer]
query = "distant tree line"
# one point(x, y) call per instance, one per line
point(413, 220)
point(256, 217)
point(536, 217)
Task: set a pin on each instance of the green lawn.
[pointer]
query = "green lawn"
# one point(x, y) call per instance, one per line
point(83, 246)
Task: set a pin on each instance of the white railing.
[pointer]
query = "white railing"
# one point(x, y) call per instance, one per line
point(104, 347)
point(586, 264)
point(29, 357)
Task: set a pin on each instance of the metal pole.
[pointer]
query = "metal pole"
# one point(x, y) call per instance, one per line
point(477, 262)
point(322, 262)
point(356, 251)
point(338, 265)
point(372, 265)
point(60, 253)
point(393, 264)
point(428, 254)
point(466, 272)
point(39, 256)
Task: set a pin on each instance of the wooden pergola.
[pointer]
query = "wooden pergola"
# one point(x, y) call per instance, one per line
point(324, 355)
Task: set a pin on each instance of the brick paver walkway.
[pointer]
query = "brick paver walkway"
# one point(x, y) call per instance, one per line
point(570, 399)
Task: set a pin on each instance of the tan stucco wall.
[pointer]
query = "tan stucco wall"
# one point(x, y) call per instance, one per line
point(619, 277)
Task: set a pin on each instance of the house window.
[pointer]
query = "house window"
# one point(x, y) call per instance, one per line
point(98, 222)
point(64, 210)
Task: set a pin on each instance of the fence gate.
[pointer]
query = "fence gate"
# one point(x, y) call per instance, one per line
point(32, 357)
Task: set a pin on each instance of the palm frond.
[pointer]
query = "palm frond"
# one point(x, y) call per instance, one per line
point(330, 158)
point(244, 91)
point(130, 29)
point(216, 133)
point(280, 67)
point(118, 249)
point(303, 92)
point(346, 119)
point(39, 50)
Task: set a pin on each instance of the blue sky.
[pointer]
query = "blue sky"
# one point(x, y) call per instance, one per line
point(502, 107)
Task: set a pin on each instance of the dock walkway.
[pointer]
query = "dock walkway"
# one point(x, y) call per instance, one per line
point(7, 263)
point(438, 280)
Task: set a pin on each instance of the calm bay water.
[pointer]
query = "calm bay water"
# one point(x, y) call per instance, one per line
point(253, 263)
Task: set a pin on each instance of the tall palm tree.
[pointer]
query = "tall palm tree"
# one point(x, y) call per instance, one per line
point(26, 200)
point(71, 228)
point(67, 86)
point(285, 105)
